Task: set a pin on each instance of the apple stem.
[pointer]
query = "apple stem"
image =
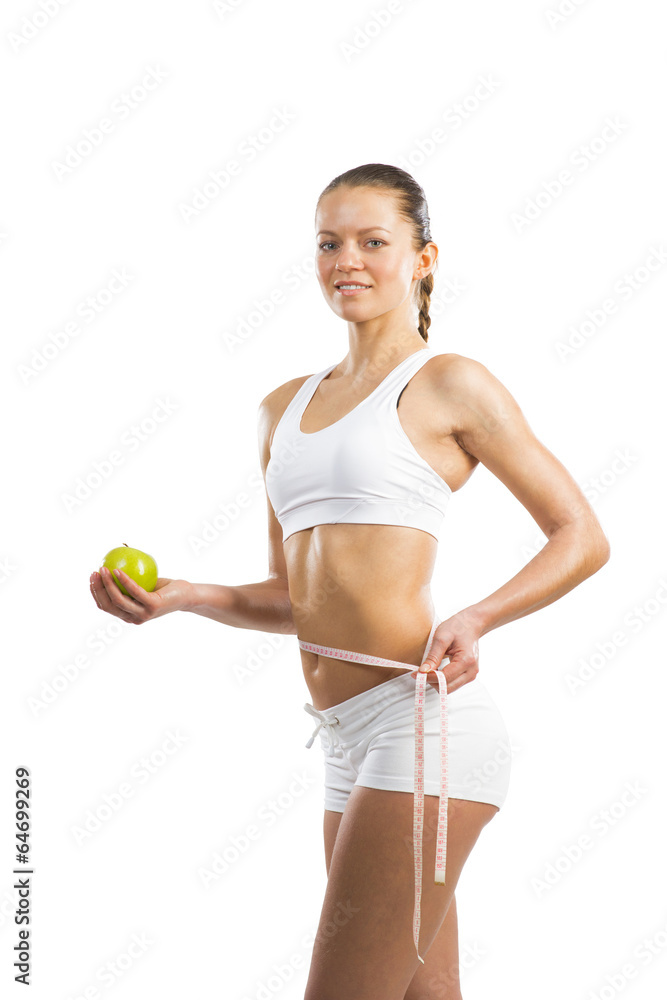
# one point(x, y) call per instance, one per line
point(125, 543)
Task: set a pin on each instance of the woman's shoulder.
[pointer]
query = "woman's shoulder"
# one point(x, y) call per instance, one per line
point(459, 369)
point(283, 393)
point(469, 384)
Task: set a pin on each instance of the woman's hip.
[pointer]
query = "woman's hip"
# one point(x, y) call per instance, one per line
point(371, 741)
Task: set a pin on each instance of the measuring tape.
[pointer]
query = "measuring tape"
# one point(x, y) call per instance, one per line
point(418, 817)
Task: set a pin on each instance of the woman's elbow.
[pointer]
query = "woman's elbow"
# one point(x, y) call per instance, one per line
point(598, 549)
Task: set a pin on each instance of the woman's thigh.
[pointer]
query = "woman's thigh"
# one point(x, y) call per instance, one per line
point(369, 897)
point(441, 976)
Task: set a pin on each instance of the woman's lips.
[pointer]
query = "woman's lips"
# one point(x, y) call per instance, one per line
point(352, 291)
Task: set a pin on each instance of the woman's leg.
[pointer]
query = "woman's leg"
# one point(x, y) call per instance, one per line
point(440, 978)
point(370, 897)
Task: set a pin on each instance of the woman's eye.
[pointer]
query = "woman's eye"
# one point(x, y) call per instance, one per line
point(329, 243)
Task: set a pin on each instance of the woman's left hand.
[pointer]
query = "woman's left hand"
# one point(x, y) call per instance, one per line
point(457, 638)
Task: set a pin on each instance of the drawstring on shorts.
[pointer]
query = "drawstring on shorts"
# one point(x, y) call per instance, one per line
point(333, 746)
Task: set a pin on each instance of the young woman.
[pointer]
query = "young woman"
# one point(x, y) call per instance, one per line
point(360, 460)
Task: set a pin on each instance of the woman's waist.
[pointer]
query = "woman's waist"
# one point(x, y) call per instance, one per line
point(365, 623)
point(345, 653)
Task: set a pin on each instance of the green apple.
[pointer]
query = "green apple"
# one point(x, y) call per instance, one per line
point(137, 564)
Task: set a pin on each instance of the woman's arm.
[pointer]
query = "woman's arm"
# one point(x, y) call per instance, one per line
point(573, 553)
point(262, 606)
point(491, 427)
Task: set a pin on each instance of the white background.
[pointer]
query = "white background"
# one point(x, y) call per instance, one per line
point(354, 93)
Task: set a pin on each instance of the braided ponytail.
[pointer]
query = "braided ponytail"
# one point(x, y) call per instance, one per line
point(425, 289)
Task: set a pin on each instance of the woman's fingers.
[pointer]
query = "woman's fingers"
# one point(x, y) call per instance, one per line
point(110, 598)
point(433, 681)
point(101, 594)
point(99, 590)
point(93, 591)
point(135, 593)
point(114, 595)
point(134, 589)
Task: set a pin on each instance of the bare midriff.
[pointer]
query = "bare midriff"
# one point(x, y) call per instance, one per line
point(363, 588)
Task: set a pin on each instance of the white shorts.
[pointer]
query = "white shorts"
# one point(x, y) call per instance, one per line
point(369, 740)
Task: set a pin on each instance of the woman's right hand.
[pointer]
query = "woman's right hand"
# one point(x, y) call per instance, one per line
point(141, 605)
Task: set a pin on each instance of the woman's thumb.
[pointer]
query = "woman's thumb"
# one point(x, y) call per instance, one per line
point(435, 659)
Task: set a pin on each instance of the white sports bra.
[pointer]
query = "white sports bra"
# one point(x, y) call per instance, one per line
point(362, 469)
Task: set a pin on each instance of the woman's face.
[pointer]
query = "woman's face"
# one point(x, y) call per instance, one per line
point(361, 239)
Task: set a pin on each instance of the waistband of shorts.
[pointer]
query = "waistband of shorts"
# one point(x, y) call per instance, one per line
point(387, 693)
